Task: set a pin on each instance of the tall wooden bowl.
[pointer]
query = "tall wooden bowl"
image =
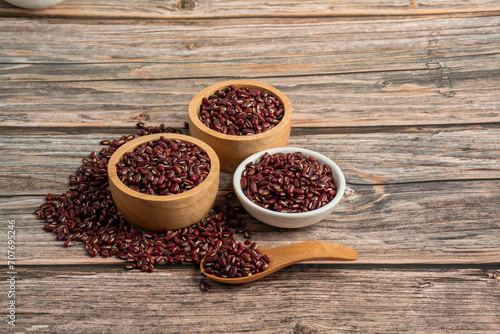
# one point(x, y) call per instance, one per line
point(231, 149)
point(159, 213)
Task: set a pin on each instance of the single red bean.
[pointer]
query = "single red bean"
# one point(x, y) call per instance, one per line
point(246, 257)
point(49, 228)
point(204, 285)
point(253, 187)
point(244, 183)
point(92, 252)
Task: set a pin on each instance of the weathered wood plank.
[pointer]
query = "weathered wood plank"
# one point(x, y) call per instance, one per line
point(202, 9)
point(402, 95)
point(41, 163)
point(350, 100)
point(443, 71)
point(430, 222)
point(256, 69)
point(279, 46)
point(326, 299)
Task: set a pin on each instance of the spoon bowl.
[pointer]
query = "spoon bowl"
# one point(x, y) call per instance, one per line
point(284, 256)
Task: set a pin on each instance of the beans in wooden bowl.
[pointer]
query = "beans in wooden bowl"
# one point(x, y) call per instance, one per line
point(241, 111)
point(164, 167)
point(189, 175)
point(238, 118)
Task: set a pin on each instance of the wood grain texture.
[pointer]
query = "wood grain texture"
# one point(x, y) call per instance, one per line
point(428, 222)
point(336, 73)
point(282, 8)
point(403, 96)
point(326, 299)
point(42, 161)
point(329, 45)
point(345, 101)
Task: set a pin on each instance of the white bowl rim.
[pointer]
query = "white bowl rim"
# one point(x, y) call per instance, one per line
point(34, 4)
point(290, 149)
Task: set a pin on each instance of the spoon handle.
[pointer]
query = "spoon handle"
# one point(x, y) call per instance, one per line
point(315, 250)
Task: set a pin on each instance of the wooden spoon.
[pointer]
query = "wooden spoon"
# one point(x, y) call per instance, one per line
point(284, 256)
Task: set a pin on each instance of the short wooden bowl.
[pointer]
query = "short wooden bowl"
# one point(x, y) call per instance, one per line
point(158, 213)
point(232, 150)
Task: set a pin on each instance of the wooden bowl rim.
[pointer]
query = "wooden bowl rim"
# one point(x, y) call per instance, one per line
point(213, 175)
point(194, 105)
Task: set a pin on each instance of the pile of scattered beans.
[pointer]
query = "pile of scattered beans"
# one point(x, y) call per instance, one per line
point(236, 260)
point(164, 167)
point(86, 213)
point(289, 182)
point(241, 111)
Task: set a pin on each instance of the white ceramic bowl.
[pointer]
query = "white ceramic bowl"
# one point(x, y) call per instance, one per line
point(290, 220)
point(34, 4)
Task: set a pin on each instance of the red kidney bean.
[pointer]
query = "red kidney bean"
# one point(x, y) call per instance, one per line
point(246, 257)
point(204, 285)
point(289, 183)
point(241, 111)
point(244, 182)
point(49, 228)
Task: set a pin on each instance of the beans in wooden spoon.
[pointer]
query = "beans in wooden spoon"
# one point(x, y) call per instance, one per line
point(284, 256)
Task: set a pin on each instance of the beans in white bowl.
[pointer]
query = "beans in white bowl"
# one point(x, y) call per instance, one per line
point(291, 182)
point(289, 187)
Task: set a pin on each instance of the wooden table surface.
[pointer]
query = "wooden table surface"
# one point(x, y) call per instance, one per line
point(403, 95)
